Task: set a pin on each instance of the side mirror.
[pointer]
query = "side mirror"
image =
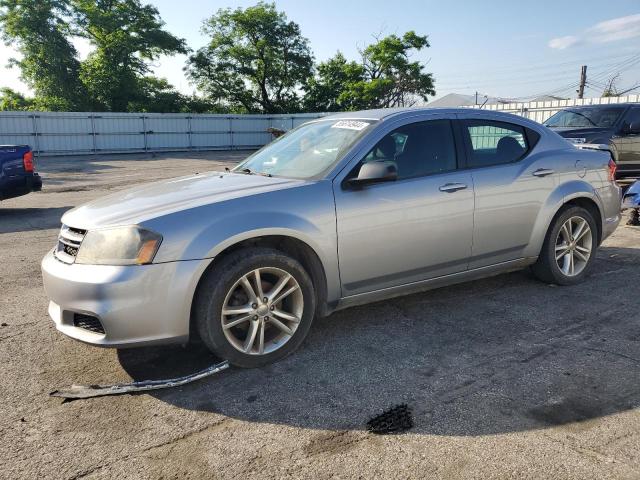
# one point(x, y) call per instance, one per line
point(375, 172)
point(632, 128)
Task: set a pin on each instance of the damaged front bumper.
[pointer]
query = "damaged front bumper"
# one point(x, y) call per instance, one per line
point(122, 306)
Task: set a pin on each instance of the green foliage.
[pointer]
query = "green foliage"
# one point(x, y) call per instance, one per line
point(256, 60)
point(159, 96)
point(329, 90)
point(385, 78)
point(125, 34)
point(49, 63)
point(12, 100)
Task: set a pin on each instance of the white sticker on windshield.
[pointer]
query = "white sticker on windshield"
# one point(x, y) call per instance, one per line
point(350, 124)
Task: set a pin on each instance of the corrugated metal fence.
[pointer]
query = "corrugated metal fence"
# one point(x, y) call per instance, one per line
point(69, 133)
point(541, 111)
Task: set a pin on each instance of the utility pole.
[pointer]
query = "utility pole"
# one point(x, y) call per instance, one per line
point(583, 81)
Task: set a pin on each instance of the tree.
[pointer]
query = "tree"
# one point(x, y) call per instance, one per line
point(126, 35)
point(329, 90)
point(49, 63)
point(12, 100)
point(256, 61)
point(611, 89)
point(385, 77)
point(159, 96)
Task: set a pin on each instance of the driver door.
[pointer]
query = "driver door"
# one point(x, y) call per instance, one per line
point(415, 228)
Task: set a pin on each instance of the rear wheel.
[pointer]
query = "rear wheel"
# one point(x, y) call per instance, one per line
point(569, 248)
point(255, 307)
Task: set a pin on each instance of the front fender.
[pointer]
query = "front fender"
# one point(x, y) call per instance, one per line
point(306, 214)
point(563, 194)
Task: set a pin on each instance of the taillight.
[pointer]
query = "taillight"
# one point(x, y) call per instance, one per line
point(27, 160)
point(612, 170)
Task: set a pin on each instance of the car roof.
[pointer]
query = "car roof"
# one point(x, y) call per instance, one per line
point(382, 113)
point(387, 113)
point(601, 105)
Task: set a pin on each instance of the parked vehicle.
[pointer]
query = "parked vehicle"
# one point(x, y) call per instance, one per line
point(17, 171)
point(343, 210)
point(631, 201)
point(615, 125)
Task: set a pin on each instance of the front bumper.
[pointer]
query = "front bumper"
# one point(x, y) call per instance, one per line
point(136, 305)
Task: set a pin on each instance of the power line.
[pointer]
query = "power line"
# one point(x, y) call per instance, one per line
point(601, 72)
point(619, 67)
point(550, 66)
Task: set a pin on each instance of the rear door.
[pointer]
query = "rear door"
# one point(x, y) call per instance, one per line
point(511, 185)
point(415, 228)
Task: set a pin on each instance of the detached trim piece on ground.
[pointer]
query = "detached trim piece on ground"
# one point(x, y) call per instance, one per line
point(75, 392)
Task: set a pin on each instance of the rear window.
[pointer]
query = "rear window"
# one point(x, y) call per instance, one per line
point(496, 143)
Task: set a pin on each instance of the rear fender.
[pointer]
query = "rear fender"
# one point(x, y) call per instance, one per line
point(560, 196)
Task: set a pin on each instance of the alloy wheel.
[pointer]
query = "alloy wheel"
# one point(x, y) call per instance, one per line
point(262, 311)
point(574, 245)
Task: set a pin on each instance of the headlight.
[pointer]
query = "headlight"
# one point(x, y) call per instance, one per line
point(118, 246)
point(577, 140)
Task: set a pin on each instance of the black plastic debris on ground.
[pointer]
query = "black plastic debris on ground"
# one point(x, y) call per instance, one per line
point(395, 420)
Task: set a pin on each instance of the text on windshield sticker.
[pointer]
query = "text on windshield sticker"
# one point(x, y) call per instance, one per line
point(350, 124)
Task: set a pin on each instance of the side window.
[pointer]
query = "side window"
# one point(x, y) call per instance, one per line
point(633, 116)
point(494, 143)
point(417, 149)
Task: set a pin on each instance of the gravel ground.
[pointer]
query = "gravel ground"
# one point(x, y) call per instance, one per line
point(506, 377)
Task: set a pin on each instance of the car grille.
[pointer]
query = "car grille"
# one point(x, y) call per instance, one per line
point(69, 242)
point(87, 322)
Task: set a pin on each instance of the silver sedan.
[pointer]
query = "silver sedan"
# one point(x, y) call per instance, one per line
point(344, 210)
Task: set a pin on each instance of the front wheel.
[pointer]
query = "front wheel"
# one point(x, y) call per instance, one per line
point(255, 307)
point(569, 248)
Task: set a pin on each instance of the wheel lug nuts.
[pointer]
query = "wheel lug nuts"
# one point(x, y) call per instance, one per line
point(265, 299)
point(255, 317)
point(254, 306)
point(272, 308)
point(266, 318)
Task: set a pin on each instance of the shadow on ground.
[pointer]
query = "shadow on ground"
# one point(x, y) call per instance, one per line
point(499, 355)
point(24, 219)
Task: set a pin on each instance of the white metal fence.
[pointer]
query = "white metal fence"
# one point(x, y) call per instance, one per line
point(541, 111)
point(69, 133)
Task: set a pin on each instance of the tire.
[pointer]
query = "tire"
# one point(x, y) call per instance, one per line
point(547, 268)
point(223, 291)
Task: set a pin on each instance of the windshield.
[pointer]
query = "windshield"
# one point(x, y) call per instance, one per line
point(306, 151)
point(585, 118)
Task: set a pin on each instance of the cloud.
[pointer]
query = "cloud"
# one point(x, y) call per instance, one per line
point(621, 28)
point(561, 43)
point(617, 29)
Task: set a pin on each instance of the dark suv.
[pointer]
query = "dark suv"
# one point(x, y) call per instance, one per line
point(616, 125)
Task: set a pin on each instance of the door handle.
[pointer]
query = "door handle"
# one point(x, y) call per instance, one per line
point(542, 172)
point(452, 187)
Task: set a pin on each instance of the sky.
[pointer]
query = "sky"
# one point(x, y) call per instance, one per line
point(499, 48)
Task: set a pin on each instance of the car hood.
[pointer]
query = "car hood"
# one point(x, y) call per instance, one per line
point(572, 132)
point(139, 204)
